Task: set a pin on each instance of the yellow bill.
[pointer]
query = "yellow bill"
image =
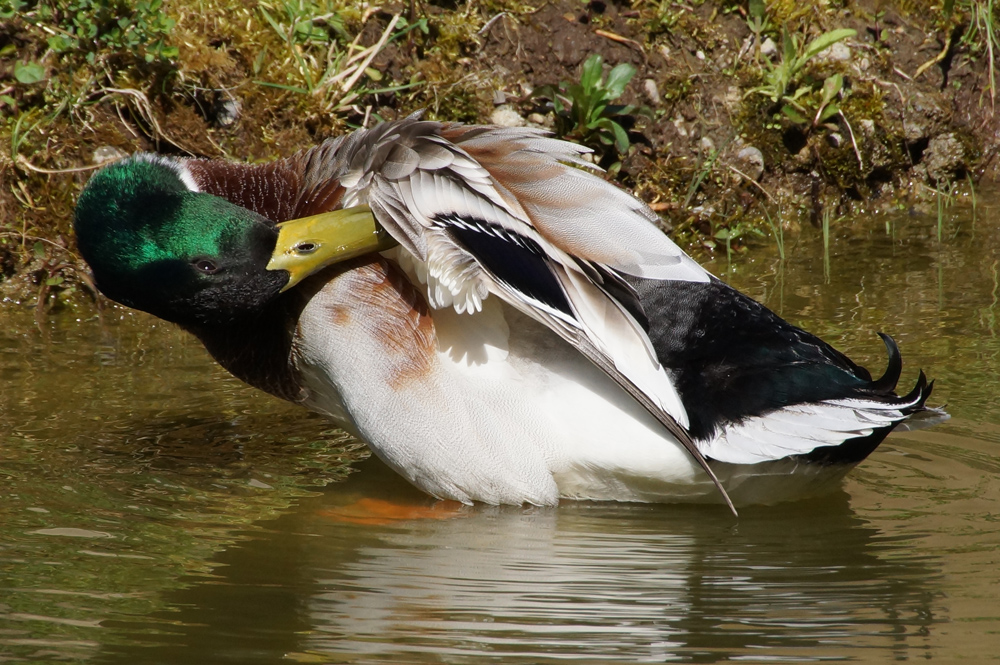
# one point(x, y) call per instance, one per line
point(310, 244)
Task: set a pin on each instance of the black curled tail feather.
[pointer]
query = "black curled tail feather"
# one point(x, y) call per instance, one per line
point(918, 396)
point(885, 385)
point(887, 382)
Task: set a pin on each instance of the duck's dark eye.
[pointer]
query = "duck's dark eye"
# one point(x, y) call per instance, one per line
point(206, 266)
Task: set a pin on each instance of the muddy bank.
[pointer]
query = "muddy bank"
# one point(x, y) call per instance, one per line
point(735, 123)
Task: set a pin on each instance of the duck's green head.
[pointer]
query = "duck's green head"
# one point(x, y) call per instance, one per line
point(157, 244)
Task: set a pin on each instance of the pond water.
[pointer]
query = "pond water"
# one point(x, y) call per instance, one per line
point(154, 510)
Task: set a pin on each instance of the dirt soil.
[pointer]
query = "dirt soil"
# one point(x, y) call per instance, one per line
point(712, 155)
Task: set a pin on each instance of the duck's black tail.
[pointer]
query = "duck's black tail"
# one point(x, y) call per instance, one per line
point(757, 388)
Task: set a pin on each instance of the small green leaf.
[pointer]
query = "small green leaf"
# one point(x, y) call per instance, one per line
point(832, 87)
point(60, 43)
point(292, 88)
point(29, 72)
point(793, 115)
point(38, 249)
point(789, 47)
point(54, 281)
point(618, 79)
point(799, 92)
point(621, 137)
point(829, 112)
point(591, 75)
point(826, 40)
point(258, 63)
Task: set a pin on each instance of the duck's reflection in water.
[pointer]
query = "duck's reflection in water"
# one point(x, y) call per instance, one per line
point(364, 576)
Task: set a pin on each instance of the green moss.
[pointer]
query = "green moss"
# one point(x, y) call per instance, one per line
point(758, 123)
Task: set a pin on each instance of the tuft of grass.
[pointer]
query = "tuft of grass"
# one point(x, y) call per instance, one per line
point(781, 77)
point(777, 232)
point(972, 193)
point(827, 215)
point(734, 232)
point(322, 59)
point(699, 176)
point(944, 199)
point(584, 111)
point(982, 37)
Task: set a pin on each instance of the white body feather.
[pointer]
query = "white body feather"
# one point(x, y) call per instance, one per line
point(508, 413)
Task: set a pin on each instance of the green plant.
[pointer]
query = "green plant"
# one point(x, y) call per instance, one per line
point(758, 22)
point(827, 215)
point(801, 106)
point(584, 111)
point(699, 177)
point(972, 193)
point(121, 27)
point(777, 232)
point(730, 233)
point(945, 198)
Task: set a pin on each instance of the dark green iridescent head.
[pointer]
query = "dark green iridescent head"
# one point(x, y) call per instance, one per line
point(185, 256)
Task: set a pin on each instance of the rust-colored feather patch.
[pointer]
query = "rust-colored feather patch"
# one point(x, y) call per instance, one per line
point(374, 295)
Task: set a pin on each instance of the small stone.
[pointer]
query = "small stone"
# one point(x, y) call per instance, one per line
point(768, 48)
point(679, 125)
point(706, 144)
point(506, 116)
point(867, 126)
point(750, 161)
point(499, 98)
point(944, 157)
point(699, 54)
point(838, 52)
point(703, 211)
point(665, 52)
point(804, 158)
point(733, 98)
point(227, 111)
point(924, 114)
point(541, 120)
point(106, 154)
point(652, 92)
point(834, 139)
point(259, 484)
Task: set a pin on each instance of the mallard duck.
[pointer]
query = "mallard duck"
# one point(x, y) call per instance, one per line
point(497, 321)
